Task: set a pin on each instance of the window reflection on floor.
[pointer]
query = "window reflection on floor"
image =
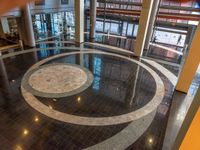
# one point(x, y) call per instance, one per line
point(97, 72)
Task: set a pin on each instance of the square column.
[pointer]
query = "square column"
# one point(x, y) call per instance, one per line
point(26, 26)
point(191, 64)
point(143, 26)
point(79, 21)
point(152, 23)
point(186, 130)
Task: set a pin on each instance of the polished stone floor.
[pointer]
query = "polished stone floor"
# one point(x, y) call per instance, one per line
point(111, 94)
point(115, 82)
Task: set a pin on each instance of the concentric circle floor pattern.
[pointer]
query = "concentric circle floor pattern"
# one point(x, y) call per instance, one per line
point(120, 87)
point(123, 118)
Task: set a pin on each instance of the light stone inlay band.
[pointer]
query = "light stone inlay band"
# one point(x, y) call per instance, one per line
point(100, 121)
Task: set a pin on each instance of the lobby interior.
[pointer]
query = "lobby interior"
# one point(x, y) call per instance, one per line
point(100, 75)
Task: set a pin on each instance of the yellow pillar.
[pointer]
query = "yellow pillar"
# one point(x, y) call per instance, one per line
point(191, 139)
point(79, 21)
point(143, 26)
point(187, 123)
point(191, 64)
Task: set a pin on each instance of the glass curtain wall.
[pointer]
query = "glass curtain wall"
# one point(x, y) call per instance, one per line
point(171, 34)
point(52, 24)
point(116, 28)
point(117, 25)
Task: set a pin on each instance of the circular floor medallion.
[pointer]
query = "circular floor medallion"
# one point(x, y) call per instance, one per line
point(58, 80)
point(95, 121)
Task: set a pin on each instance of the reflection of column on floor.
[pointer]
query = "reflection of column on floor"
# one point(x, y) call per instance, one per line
point(33, 58)
point(25, 27)
point(194, 107)
point(130, 95)
point(191, 64)
point(79, 58)
point(143, 26)
point(5, 85)
point(91, 63)
point(79, 21)
point(92, 19)
point(151, 23)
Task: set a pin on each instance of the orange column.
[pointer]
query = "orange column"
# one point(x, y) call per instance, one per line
point(190, 128)
point(192, 138)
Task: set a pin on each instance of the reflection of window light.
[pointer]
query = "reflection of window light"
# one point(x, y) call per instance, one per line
point(97, 73)
point(43, 53)
point(86, 64)
point(25, 131)
point(96, 83)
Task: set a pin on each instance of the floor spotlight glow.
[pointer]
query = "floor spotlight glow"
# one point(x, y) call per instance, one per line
point(150, 141)
point(79, 99)
point(36, 119)
point(25, 132)
point(18, 147)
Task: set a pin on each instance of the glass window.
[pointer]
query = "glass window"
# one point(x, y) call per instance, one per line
point(114, 28)
point(107, 27)
point(135, 30)
point(130, 29)
point(99, 26)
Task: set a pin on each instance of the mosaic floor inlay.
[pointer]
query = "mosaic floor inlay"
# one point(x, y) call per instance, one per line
point(58, 78)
